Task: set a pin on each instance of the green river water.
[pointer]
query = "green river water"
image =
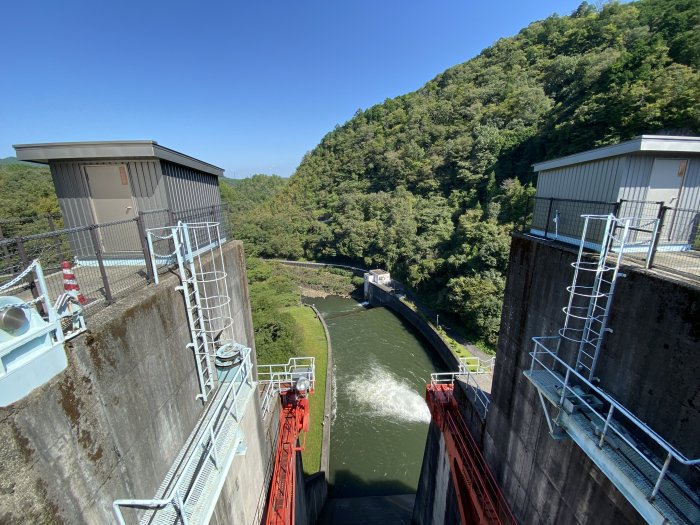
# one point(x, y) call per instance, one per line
point(379, 418)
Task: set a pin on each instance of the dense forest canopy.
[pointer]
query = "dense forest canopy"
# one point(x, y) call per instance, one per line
point(428, 184)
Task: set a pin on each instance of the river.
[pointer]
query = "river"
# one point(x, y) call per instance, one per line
point(379, 418)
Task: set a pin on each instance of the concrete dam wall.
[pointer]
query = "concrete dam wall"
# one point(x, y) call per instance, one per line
point(649, 363)
point(113, 422)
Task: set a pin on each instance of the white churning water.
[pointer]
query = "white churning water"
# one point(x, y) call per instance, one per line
point(382, 394)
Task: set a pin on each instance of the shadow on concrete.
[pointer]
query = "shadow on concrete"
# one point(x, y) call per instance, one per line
point(387, 502)
point(348, 485)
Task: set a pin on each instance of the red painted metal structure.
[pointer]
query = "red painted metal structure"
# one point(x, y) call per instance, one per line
point(294, 418)
point(479, 497)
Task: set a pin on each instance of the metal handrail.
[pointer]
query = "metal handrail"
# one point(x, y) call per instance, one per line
point(206, 441)
point(282, 374)
point(671, 451)
point(481, 366)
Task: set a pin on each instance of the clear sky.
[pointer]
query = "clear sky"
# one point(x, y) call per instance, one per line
point(247, 85)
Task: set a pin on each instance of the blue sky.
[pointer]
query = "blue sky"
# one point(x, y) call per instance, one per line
point(250, 86)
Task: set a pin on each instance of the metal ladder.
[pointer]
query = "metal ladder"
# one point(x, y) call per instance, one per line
point(204, 287)
point(193, 304)
point(589, 302)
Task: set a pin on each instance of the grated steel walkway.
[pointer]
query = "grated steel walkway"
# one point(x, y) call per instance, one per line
point(632, 474)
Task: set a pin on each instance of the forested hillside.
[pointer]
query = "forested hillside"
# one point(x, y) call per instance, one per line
point(428, 184)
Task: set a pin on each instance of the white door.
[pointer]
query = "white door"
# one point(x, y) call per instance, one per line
point(110, 194)
point(666, 181)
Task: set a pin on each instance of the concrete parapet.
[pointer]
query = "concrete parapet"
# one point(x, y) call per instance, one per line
point(328, 401)
point(649, 363)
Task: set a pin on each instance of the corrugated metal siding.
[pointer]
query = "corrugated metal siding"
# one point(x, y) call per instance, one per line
point(147, 187)
point(74, 200)
point(690, 198)
point(593, 181)
point(188, 188)
point(145, 177)
point(635, 182)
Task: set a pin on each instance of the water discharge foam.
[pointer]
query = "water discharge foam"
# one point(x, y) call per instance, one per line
point(382, 394)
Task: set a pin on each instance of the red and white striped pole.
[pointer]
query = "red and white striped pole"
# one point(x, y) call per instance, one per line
point(70, 283)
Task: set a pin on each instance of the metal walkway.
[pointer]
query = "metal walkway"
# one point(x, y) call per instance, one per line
point(631, 466)
point(192, 486)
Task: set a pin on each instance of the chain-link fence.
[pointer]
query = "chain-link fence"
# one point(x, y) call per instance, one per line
point(108, 260)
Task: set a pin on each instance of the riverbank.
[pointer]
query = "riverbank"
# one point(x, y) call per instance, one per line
point(313, 344)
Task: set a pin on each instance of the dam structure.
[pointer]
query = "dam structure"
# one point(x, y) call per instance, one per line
point(593, 413)
point(150, 406)
point(123, 433)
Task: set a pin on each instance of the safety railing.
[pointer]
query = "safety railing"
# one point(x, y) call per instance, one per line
point(614, 419)
point(469, 368)
point(278, 379)
point(660, 236)
point(205, 449)
point(477, 365)
point(268, 393)
point(109, 260)
point(284, 376)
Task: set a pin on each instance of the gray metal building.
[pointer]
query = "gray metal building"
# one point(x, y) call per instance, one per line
point(636, 174)
point(104, 182)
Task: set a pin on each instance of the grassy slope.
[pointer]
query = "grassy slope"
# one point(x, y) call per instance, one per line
point(313, 345)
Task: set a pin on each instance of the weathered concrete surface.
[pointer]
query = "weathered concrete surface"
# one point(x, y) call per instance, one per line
point(650, 363)
point(379, 295)
point(111, 424)
point(435, 502)
point(374, 510)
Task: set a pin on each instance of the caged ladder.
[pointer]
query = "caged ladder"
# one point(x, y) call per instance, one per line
point(592, 288)
point(205, 291)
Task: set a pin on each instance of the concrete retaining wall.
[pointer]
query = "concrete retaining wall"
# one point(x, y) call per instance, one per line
point(111, 424)
point(327, 401)
point(649, 363)
point(435, 503)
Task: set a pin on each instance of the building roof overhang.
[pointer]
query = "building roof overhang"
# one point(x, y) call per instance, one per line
point(116, 149)
point(643, 143)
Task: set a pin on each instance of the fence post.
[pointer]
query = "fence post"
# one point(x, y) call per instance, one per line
point(144, 248)
point(173, 219)
point(659, 230)
point(549, 217)
point(52, 227)
point(25, 262)
point(617, 207)
point(100, 263)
